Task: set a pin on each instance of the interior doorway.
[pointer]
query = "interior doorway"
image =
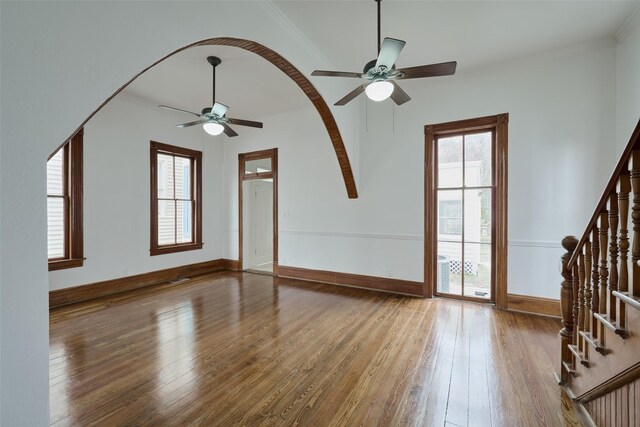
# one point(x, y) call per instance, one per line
point(258, 211)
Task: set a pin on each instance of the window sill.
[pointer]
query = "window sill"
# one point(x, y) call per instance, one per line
point(65, 263)
point(161, 250)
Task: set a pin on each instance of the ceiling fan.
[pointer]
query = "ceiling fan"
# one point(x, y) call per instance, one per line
point(213, 119)
point(381, 73)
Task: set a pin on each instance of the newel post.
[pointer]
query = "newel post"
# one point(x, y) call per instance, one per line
point(569, 243)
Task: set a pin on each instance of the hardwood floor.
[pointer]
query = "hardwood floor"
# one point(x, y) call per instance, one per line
point(232, 348)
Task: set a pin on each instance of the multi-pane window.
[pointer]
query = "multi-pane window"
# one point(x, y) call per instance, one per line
point(64, 205)
point(57, 200)
point(464, 190)
point(466, 209)
point(175, 199)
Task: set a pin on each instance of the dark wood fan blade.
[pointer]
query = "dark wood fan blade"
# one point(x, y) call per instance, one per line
point(228, 131)
point(178, 109)
point(351, 95)
point(389, 52)
point(433, 70)
point(186, 125)
point(241, 122)
point(336, 74)
point(399, 96)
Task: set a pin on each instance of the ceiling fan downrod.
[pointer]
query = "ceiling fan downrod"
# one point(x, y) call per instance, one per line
point(214, 61)
point(379, 26)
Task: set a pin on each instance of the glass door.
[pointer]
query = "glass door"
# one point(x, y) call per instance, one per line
point(465, 187)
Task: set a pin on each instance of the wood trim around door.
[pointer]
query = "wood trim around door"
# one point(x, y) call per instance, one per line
point(498, 123)
point(242, 176)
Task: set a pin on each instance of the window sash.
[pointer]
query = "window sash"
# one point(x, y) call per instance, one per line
point(71, 195)
point(190, 194)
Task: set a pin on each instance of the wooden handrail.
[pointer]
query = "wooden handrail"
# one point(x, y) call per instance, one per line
point(601, 283)
point(634, 143)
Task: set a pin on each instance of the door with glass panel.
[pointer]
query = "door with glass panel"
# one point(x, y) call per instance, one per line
point(258, 209)
point(465, 187)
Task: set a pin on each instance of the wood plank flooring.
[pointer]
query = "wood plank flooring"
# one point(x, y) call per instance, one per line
point(247, 349)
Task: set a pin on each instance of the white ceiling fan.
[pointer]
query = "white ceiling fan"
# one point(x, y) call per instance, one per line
point(213, 119)
point(381, 73)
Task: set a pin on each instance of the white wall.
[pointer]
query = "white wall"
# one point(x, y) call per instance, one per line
point(66, 58)
point(628, 82)
point(561, 109)
point(310, 187)
point(116, 192)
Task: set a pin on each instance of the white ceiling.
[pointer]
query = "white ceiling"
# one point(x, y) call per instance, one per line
point(475, 34)
point(249, 85)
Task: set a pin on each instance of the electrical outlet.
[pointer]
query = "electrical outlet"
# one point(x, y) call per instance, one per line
point(389, 271)
point(125, 271)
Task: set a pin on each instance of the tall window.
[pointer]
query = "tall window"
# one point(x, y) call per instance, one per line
point(176, 199)
point(465, 197)
point(64, 205)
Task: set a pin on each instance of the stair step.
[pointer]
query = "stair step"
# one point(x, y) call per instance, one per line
point(628, 299)
point(613, 326)
point(579, 355)
point(593, 342)
point(567, 367)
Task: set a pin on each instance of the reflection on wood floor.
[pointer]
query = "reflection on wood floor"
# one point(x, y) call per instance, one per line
point(238, 348)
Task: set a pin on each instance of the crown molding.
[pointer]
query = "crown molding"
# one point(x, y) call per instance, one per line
point(299, 36)
point(295, 32)
point(629, 25)
point(138, 100)
point(545, 55)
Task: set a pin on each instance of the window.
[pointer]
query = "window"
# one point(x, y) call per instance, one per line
point(465, 209)
point(450, 217)
point(64, 205)
point(176, 199)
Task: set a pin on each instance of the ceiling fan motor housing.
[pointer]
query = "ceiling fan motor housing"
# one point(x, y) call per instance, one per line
point(371, 65)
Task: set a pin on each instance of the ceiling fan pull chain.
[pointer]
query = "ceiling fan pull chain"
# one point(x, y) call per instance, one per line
point(393, 125)
point(366, 115)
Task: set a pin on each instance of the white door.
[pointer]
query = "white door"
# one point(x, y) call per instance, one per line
point(263, 224)
point(258, 224)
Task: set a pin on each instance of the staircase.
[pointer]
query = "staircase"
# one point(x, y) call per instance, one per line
point(600, 297)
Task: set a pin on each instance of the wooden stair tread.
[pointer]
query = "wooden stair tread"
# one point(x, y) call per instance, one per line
point(580, 357)
point(613, 326)
point(593, 342)
point(628, 299)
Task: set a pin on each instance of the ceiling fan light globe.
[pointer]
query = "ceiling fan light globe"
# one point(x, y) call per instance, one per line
point(379, 90)
point(213, 128)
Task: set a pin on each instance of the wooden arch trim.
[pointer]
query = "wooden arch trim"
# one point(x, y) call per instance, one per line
point(287, 68)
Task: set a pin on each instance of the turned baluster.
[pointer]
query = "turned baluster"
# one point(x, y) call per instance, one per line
point(604, 271)
point(581, 307)
point(575, 285)
point(569, 243)
point(635, 219)
point(595, 276)
point(624, 187)
point(613, 254)
point(587, 290)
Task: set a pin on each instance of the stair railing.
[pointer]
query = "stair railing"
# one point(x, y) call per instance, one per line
point(599, 279)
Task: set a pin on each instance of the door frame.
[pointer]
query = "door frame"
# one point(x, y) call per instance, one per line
point(242, 176)
point(499, 124)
